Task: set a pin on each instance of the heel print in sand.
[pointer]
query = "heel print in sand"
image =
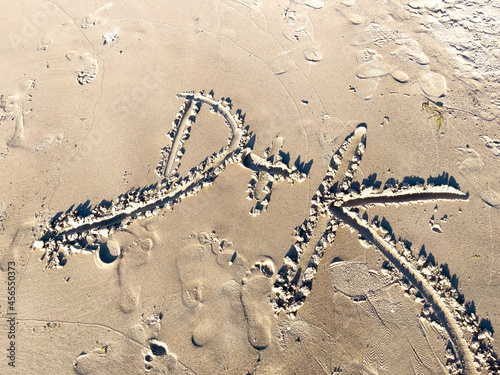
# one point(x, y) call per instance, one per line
point(255, 296)
point(134, 258)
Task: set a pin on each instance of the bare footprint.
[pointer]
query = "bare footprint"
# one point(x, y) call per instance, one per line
point(298, 29)
point(18, 251)
point(331, 136)
point(133, 257)
point(86, 68)
point(187, 265)
point(14, 108)
point(255, 295)
point(16, 112)
point(492, 144)
point(209, 269)
point(95, 17)
point(472, 169)
point(432, 83)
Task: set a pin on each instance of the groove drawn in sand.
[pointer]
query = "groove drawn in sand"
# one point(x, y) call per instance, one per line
point(337, 203)
point(85, 228)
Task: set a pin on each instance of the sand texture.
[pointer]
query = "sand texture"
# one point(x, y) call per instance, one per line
point(250, 187)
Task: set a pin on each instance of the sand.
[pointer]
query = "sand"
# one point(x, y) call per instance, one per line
point(250, 187)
